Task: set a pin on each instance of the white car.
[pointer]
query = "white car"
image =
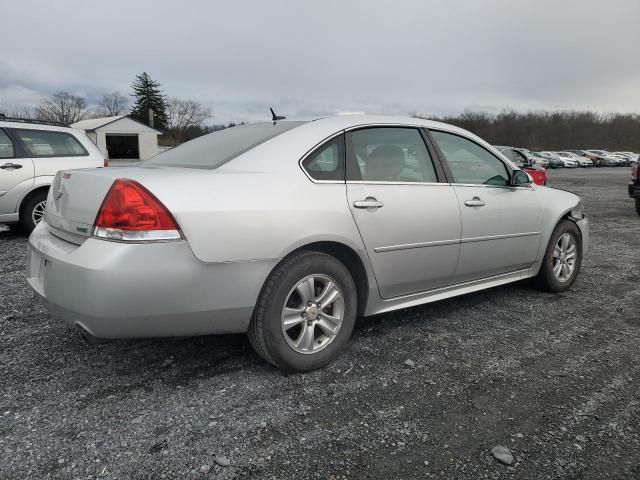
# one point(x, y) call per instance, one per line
point(31, 153)
point(582, 161)
point(540, 160)
point(633, 157)
point(567, 162)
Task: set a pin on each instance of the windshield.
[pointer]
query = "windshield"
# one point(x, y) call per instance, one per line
point(217, 148)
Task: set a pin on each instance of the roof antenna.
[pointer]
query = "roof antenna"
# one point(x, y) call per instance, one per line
point(275, 117)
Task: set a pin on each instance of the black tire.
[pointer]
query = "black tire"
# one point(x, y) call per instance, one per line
point(638, 206)
point(26, 211)
point(546, 279)
point(265, 331)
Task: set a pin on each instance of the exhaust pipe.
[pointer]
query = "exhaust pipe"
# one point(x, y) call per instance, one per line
point(89, 337)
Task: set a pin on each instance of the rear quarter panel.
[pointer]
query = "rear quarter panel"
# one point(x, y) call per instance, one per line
point(242, 216)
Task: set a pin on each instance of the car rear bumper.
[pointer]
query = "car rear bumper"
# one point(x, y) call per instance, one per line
point(118, 290)
point(634, 190)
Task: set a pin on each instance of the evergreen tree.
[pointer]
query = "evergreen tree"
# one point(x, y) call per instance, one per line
point(148, 95)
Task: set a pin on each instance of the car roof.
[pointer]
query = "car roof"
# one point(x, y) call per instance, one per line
point(324, 127)
point(341, 122)
point(309, 134)
point(35, 126)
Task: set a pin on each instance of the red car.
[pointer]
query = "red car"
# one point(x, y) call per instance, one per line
point(538, 174)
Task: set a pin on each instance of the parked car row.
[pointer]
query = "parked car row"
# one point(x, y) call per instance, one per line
point(603, 158)
point(572, 158)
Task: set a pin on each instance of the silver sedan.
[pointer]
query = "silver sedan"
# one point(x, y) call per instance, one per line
point(290, 230)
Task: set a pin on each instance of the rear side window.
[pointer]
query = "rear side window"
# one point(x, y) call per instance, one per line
point(327, 161)
point(469, 162)
point(391, 154)
point(43, 143)
point(217, 148)
point(6, 146)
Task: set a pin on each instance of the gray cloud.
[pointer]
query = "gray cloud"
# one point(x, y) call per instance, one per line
point(317, 57)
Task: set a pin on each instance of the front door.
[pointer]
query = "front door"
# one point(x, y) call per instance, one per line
point(501, 225)
point(15, 172)
point(408, 220)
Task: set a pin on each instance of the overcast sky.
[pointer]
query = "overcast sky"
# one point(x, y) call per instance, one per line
point(321, 57)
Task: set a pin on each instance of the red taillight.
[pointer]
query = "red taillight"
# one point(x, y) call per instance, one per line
point(634, 171)
point(105, 163)
point(130, 212)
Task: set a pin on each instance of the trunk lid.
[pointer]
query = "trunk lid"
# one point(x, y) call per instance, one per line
point(75, 196)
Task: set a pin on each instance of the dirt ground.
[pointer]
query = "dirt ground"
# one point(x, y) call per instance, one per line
point(552, 377)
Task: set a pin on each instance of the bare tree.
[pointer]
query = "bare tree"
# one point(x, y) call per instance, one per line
point(62, 107)
point(184, 114)
point(22, 110)
point(17, 110)
point(112, 104)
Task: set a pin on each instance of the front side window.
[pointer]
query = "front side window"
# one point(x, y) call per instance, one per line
point(391, 154)
point(44, 143)
point(327, 161)
point(469, 162)
point(6, 146)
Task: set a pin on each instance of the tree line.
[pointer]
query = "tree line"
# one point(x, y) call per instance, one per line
point(179, 119)
point(555, 130)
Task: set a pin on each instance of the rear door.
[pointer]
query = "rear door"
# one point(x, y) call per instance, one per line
point(52, 151)
point(501, 225)
point(16, 173)
point(407, 215)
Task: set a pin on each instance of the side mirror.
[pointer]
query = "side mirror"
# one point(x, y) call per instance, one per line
point(520, 178)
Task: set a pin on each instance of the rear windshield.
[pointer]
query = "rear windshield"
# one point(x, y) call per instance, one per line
point(217, 148)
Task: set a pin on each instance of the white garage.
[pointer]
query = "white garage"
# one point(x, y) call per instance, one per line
point(121, 137)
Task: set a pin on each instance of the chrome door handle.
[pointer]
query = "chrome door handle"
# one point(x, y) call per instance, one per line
point(474, 202)
point(13, 166)
point(368, 202)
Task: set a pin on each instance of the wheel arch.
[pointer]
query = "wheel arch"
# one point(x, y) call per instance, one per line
point(349, 258)
point(563, 215)
point(38, 189)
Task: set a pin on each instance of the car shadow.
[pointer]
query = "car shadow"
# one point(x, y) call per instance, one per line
point(11, 231)
point(122, 367)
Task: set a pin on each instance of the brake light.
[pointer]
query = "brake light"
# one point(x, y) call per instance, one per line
point(634, 171)
point(105, 163)
point(130, 212)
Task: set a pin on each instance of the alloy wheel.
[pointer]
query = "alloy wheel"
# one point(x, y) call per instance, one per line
point(565, 254)
point(313, 314)
point(38, 212)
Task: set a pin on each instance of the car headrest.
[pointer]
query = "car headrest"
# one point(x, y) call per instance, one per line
point(386, 162)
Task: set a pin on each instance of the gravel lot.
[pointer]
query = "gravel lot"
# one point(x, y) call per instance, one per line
point(552, 377)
